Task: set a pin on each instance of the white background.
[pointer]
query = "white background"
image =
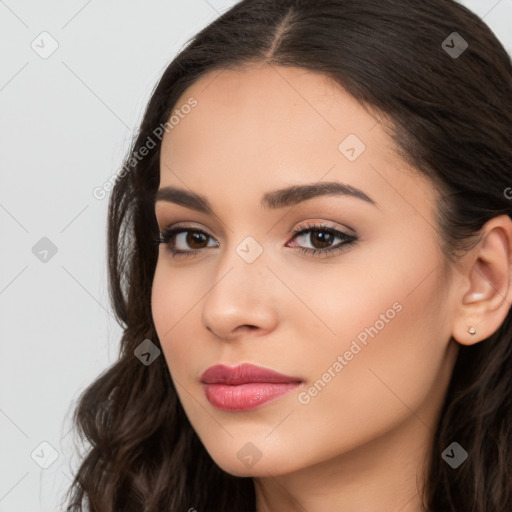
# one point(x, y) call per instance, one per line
point(65, 124)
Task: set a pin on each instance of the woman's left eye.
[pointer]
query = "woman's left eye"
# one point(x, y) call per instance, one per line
point(320, 237)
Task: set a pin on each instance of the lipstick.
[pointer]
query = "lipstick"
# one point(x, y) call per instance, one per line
point(245, 387)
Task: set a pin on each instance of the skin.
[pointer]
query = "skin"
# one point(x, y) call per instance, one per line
point(362, 442)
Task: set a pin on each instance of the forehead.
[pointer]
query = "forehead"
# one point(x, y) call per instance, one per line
point(270, 107)
point(265, 126)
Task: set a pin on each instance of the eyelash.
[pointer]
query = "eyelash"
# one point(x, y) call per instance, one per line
point(347, 240)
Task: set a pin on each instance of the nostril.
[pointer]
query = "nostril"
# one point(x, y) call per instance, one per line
point(248, 327)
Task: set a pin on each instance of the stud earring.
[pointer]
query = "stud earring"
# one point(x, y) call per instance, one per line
point(472, 330)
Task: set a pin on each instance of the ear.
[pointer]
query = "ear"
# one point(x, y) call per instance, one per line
point(486, 283)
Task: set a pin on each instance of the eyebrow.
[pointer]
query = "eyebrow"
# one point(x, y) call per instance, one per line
point(271, 200)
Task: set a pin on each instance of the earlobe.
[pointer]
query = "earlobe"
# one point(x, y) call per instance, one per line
point(473, 297)
point(487, 288)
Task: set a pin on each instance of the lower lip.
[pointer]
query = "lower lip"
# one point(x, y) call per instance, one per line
point(245, 397)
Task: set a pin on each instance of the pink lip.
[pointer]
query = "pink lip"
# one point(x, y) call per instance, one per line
point(245, 387)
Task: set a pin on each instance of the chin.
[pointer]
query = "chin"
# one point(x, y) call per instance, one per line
point(248, 461)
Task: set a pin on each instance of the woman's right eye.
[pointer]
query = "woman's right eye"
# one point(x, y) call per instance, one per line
point(177, 240)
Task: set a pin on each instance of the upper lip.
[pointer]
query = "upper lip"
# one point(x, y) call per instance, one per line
point(243, 374)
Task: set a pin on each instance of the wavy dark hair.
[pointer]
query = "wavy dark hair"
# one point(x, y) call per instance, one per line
point(451, 118)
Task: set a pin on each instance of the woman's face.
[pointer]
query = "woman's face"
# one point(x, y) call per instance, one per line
point(365, 328)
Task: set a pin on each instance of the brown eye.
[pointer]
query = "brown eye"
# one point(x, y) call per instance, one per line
point(321, 238)
point(183, 240)
point(195, 239)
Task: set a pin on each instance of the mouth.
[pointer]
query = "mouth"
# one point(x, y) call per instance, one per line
point(245, 387)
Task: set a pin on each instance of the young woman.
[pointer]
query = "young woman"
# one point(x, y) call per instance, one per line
point(310, 253)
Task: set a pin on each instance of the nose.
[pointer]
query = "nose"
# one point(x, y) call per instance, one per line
point(242, 300)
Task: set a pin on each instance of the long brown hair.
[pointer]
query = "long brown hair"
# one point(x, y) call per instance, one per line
point(451, 112)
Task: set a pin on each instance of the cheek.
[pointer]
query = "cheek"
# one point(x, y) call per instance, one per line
point(175, 304)
point(174, 293)
point(163, 301)
point(386, 360)
point(167, 308)
point(395, 375)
